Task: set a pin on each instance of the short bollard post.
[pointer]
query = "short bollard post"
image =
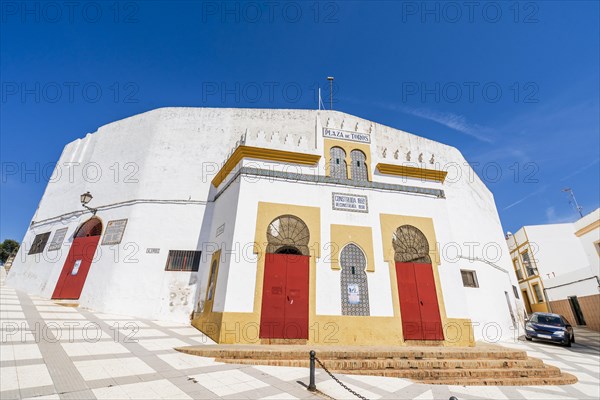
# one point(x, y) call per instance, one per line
point(311, 384)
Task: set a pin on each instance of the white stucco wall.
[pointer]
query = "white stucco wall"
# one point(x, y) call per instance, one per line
point(163, 162)
point(589, 241)
point(556, 249)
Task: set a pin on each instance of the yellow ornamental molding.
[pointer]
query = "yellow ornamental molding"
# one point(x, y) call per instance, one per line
point(588, 228)
point(263, 154)
point(412, 172)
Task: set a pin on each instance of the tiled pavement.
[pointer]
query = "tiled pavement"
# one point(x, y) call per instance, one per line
point(48, 351)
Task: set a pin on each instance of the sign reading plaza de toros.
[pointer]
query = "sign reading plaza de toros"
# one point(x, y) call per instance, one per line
point(346, 135)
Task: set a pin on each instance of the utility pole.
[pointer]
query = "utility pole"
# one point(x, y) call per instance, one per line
point(330, 79)
point(573, 201)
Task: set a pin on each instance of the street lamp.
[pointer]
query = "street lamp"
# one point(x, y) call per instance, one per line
point(330, 79)
point(85, 199)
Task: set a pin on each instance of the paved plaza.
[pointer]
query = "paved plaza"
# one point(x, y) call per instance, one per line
point(49, 351)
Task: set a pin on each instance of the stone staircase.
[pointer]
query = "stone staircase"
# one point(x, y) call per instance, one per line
point(480, 365)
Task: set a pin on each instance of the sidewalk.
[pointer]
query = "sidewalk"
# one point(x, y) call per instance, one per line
point(48, 351)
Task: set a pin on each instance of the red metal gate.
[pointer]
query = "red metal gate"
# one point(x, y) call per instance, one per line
point(418, 302)
point(72, 278)
point(284, 312)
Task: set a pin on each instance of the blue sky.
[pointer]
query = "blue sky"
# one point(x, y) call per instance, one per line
point(514, 86)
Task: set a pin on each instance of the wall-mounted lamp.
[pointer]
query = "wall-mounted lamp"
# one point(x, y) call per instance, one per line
point(85, 199)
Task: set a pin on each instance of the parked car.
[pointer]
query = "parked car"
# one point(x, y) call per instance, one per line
point(550, 327)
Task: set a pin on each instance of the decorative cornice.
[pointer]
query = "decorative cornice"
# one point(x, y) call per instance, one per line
point(327, 180)
point(262, 154)
point(412, 172)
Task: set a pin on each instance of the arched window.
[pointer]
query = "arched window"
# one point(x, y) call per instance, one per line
point(359, 166)
point(91, 227)
point(410, 245)
point(288, 234)
point(337, 163)
point(353, 279)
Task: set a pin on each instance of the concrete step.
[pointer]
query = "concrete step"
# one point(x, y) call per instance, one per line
point(457, 375)
point(563, 379)
point(284, 341)
point(301, 353)
point(383, 364)
point(482, 365)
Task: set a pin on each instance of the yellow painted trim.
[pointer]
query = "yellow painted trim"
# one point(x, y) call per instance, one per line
point(348, 147)
point(539, 285)
point(530, 278)
point(263, 154)
point(412, 172)
point(267, 212)
point(311, 216)
point(362, 236)
point(588, 228)
point(516, 249)
point(389, 224)
point(243, 328)
point(210, 324)
point(528, 287)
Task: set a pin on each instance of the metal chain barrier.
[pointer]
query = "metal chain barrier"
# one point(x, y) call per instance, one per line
point(313, 356)
point(313, 387)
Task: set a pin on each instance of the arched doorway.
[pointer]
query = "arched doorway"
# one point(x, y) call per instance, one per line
point(353, 281)
point(284, 312)
point(416, 285)
point(76, 267)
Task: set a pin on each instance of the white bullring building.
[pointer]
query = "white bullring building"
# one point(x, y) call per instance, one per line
point(261, 225)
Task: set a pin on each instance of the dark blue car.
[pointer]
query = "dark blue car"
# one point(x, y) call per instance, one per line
point(550, 327)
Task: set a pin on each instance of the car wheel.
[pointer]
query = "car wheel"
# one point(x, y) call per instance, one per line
point(568, 342)
point(573, 339)
point(528, 338)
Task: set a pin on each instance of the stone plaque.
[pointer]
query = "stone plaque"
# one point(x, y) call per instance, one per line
point(349, 202)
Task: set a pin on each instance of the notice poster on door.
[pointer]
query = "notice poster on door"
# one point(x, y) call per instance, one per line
point(75, 269)
point(353, 293)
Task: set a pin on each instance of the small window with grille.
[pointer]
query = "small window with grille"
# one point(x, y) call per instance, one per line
point(469, 278)
point(183, 260)
point(39, 243)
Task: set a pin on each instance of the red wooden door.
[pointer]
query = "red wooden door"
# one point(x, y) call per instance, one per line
point(273, 299)
point(72, 278)
point(284, 312)
point(431, 322)
point(296, 305)
point(409, 301)
point(418, 302)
